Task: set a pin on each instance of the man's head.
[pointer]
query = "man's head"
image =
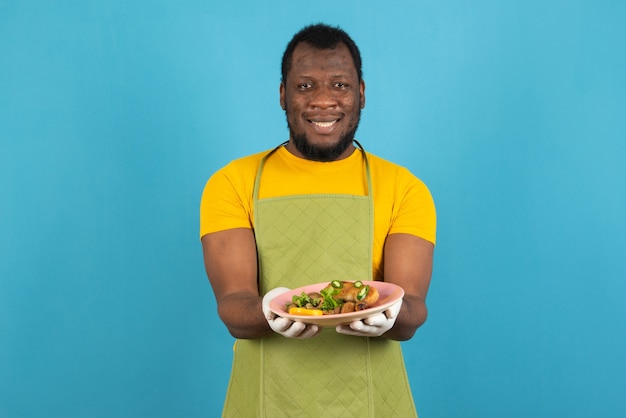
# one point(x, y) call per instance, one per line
point(322, 92)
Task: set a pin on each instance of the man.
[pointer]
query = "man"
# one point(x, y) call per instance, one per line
point(314, 209)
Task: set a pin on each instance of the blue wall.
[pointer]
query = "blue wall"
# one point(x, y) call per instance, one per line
point(114, 113)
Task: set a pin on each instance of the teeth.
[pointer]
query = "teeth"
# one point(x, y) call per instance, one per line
point(324, 124)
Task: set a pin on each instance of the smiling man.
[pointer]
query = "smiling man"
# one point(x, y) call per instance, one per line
point(322, 95)
point(314, 209)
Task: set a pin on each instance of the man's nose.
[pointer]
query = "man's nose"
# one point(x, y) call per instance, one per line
point(324, 97)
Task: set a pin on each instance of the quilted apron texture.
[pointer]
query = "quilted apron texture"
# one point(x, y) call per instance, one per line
point(302, 240)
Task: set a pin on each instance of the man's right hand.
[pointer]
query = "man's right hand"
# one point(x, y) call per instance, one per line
point(283, 326)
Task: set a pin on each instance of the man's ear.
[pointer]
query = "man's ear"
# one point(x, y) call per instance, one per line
point(282, 95)
point(362, 92)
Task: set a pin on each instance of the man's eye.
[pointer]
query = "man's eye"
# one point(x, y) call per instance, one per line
point(304, 86)
point(341, 85)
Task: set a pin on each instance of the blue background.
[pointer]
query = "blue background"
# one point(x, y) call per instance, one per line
point(113, 114)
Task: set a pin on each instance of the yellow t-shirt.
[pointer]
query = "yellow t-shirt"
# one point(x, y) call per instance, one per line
point(402, 202)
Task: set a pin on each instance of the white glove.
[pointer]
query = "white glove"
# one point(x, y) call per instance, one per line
point(283, 326)
point(372, 326)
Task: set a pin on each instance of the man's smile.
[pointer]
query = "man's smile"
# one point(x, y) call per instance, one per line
point(324, 124)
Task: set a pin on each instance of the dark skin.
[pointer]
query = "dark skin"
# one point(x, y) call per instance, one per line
point(322, 97)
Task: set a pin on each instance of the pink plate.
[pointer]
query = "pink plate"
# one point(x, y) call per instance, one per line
point(389, 294)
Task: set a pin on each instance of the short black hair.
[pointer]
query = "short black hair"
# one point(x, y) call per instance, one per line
point(321, 36)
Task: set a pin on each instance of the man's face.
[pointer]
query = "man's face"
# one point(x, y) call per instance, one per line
point(322, 98)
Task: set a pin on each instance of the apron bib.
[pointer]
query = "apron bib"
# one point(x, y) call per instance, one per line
point(301, 240)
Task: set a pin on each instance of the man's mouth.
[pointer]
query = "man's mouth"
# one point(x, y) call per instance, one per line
point(324, 124)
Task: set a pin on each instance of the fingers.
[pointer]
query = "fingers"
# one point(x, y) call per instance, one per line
point(301, 330)
point(347, 330)
point(294, 329)
point(377, 320)
point(358, 329)
point(374, 326)
point(281, 325)
point(310, 331)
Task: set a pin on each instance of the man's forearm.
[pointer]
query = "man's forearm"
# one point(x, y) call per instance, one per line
point(243, 316)
point(412, 315)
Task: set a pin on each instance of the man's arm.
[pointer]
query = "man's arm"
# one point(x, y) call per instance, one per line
point(408, 262)
point(230, 259)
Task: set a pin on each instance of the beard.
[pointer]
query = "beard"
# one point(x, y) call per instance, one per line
point(320, 153)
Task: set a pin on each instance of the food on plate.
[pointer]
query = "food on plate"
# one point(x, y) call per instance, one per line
point(294, 310)
point(337, 297)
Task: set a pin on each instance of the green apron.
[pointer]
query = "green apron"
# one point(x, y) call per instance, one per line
point(301, 240)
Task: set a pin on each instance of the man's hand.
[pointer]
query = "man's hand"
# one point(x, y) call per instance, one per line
point(372, 326)
point(283, 326)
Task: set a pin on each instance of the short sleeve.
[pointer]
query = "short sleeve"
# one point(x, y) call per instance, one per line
point(224, 203)
point(416, 214)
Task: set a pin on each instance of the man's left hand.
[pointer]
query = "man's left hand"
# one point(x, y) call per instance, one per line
point(372, 326)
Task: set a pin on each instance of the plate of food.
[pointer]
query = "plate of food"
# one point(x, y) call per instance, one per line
point(337, 302)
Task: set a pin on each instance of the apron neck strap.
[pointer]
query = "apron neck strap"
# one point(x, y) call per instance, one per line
point(257, 181)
